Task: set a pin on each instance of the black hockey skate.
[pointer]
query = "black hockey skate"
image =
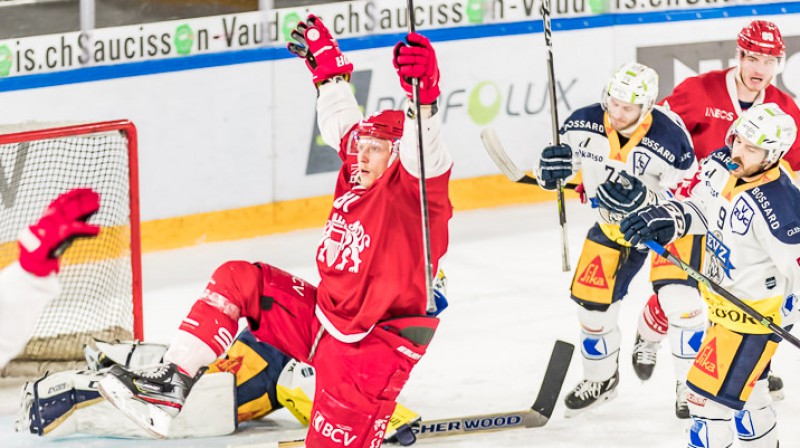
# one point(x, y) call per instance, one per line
point(681, 405)
point(589, 394)
point(644, 357)
point(151, 397)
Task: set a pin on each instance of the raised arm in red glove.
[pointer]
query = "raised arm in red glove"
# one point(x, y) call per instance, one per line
point(64, 220)
point(320, 50)
point(416, 58)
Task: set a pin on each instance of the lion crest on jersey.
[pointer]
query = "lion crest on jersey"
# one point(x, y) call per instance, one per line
point(343, 242)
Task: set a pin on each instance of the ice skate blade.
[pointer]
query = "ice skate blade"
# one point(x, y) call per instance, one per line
point(608, 396)
point(149, 417)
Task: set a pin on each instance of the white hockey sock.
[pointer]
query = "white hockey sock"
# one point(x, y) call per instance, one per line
point(189, 352)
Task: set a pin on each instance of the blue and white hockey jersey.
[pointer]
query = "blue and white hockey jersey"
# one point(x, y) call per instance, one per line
point(752, 242)
point(659, 152)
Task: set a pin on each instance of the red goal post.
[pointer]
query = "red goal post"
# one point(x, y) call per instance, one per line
point(101, 276)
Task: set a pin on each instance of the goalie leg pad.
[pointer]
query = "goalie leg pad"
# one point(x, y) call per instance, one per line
point(600, 342)
point(257, 366)
point(68, 402)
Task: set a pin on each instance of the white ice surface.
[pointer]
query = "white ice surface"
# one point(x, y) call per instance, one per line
point(508, 304)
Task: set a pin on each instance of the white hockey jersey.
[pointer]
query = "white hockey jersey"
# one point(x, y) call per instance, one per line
point(659, 152)
point(752, 242)
point(23, 297)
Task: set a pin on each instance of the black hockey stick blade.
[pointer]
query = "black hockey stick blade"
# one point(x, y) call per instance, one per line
point(554, 378)
point(535, 417)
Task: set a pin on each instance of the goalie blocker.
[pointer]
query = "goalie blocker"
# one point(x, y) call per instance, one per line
point(253, 374)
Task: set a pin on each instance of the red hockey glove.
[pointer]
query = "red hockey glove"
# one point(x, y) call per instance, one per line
point(417, 59)
point(64, 220)
point(320, 50)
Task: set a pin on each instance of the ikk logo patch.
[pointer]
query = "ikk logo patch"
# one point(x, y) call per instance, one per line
point(594, 276)
point(706, 359)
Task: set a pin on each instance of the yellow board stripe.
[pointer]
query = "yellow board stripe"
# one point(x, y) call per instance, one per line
point(267, 219)
point(279, 217)
point(113, 242)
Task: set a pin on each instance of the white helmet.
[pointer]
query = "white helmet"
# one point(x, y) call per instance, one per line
point(633, 83)
point(766, 126)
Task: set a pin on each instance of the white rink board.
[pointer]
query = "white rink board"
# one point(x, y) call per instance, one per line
point(238, 135)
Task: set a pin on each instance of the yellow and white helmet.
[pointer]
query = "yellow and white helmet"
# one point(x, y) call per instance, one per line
point(766, 126)
point(633, 83)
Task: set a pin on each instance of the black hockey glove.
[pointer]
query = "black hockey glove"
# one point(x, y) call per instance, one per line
point(661, 223)
point(555, 164)
point(624, 195)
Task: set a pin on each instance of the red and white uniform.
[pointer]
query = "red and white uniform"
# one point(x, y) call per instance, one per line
point(358, 327)
point(370, 258)
point(708, 105)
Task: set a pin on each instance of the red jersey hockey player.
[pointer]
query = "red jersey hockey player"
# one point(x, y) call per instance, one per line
point(40, 246)
point(364, 327)
point(708, 104)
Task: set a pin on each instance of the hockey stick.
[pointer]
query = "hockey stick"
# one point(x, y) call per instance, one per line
point(423, 189)
point(500, 158)
point(562, 212)
point(759, 318)
point(535, 417)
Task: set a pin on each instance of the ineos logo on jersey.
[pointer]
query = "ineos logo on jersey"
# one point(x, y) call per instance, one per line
point(713, 112)
point(337, 433)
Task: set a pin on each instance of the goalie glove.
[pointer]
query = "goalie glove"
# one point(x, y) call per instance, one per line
point(661, 223)
point(622, 196)
point(63, 221)
point(320, 50)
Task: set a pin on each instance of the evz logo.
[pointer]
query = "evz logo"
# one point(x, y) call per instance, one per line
point(741, 217)
point(640, 162)
point(719, 257)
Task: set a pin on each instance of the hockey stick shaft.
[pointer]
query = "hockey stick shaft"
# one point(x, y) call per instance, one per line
point(760, 318)
point(537, 416)
point(423, 189)
point(562, 211)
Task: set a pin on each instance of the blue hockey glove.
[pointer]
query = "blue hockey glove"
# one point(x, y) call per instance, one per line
point(624, 195)
point(661, 223)
point(555, 164)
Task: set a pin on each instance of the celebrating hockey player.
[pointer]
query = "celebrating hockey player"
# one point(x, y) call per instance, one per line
point(708, 104)
point(746, 205)
point(35, 272)
point(631, 153)
point(364, 327)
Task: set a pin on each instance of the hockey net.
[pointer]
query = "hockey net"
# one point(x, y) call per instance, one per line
point(101, 277)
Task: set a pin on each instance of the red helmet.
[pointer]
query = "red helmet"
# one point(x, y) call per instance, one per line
point(387, 125)
point(762, 37)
